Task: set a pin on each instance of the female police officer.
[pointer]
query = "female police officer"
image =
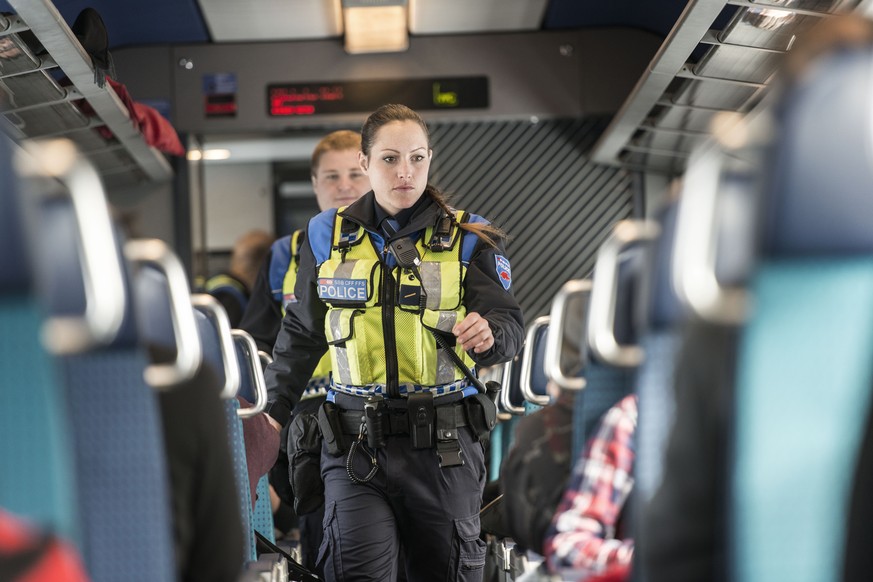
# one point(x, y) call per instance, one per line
point(409, 295)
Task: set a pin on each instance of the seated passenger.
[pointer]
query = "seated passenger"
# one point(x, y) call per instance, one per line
point(587, 537)
point(233, 288)
point(535, 473)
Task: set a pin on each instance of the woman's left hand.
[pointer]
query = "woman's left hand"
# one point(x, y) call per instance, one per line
point(473, 332)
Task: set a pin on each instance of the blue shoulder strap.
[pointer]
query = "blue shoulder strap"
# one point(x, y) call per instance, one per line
point(470, 239)
point(320, 234)
point(280, 259)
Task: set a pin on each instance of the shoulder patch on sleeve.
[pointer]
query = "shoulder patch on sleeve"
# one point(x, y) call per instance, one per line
point(504, 272)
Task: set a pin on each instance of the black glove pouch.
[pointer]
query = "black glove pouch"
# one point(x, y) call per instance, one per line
point(304, 463)
point(481, 415)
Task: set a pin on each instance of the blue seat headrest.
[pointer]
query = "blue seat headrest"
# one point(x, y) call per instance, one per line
point(818, 199)
point(660, 305)
point(15, 276)
point(211, 344)
point(247, 381)
point(538, 379)
point(631, 263)
point(516, 398)
point(59, 266)
point(153, 308)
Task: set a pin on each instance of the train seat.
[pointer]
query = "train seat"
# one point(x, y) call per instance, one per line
point(533, 382)
point(253, 389)
point(36, 471)
point(119, 457)
point(661, 322)
point(611, 356)
point(805, 359)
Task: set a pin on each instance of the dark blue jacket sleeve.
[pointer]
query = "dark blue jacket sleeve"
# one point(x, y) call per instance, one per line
point(485, 294)
point(263, 315)
point(300, 344)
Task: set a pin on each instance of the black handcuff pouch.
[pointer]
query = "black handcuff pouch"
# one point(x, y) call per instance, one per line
point(481, 415)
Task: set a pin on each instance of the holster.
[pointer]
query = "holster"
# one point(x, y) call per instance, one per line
point(421, 419)
point(481, 415)
point(304, 463)
point(331, 429)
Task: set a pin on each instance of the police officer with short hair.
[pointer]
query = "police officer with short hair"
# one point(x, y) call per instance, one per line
point(337, 180)
point(409, 296)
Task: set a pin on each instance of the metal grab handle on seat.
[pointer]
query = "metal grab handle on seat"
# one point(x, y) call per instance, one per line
point(248, 345)
point(555, 337)
point(695, 245)
point(505, 401)
point(604, 293)
point(102, 272)
point(189, 354)
point(209, 306)
point(526, 378)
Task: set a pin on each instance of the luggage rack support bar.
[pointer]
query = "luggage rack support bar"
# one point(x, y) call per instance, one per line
point(48, 25)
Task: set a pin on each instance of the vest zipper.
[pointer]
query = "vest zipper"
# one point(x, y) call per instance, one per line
point(392, 380)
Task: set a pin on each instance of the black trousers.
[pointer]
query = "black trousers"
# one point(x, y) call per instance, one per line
point(434, 511)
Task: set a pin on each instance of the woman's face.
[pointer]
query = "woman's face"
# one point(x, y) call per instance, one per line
point(398, 164)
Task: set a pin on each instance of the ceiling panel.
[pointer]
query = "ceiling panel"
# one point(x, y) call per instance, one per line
point(139, 22)
point(712, 95)
point(738, 62)
point(766, 28)
point(720, 55)
point(262, 20)
point(459, 16)
point(658, 17)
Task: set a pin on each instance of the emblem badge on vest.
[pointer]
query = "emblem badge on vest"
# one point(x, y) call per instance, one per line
point(504, 273)
point(342, 289)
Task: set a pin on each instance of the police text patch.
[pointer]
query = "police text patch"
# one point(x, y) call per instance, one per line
point(504, 273)
point(342, 289)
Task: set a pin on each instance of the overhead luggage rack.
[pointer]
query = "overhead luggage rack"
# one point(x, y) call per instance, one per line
point(35, 104)
point(704, 69)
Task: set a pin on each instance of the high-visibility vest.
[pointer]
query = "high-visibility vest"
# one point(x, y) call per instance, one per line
point(360, 324)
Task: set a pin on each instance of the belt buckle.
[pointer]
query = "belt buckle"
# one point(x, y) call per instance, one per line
point(451, 458)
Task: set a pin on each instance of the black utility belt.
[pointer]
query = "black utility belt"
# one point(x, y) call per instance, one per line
point(395, 421)
point(428, 425)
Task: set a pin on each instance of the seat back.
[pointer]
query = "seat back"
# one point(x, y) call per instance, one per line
point(533, 381)
point(230, 355)
point(120, 468)
point(36, 469)
point(241, 475)
point(805, 360)
point(255, 386)
point(611, 355)
point(660, 339)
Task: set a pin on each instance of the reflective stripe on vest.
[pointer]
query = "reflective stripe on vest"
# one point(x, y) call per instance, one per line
point(349, 282)
point(290, 278)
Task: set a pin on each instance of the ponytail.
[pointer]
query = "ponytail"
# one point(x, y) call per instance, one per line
point(488, 233)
